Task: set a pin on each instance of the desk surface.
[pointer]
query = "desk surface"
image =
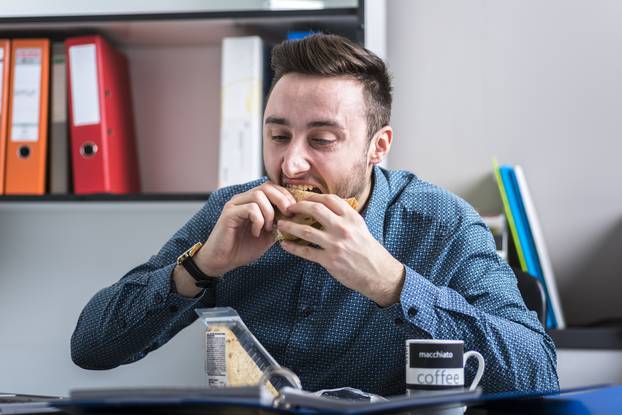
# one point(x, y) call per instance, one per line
point(603, 400)
point(600, 400)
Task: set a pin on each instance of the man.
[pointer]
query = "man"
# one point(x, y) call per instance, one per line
point(413, 262)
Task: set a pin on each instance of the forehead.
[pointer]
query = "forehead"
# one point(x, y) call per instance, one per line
point(298, 96)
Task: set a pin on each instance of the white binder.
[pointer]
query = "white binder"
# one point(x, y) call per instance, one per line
point(240, 155)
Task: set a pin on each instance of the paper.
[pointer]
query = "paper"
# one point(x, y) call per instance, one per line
point(84, 90)
point(26, 93)
point(1, 77)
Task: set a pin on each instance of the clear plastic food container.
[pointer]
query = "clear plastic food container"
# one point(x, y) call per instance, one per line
point(234, 356)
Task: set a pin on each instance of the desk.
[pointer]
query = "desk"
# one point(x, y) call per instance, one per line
point(606, 400)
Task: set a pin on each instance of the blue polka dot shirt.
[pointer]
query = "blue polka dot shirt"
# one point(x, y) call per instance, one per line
point(456, 287)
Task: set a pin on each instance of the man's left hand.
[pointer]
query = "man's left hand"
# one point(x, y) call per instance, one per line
point(347, 250)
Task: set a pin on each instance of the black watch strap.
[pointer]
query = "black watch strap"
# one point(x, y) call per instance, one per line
point(202, 280)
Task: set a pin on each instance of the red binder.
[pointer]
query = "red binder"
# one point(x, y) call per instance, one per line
point(103, 148)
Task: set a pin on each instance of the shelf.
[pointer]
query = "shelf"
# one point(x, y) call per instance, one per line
point(594, 338)
point(179, 15)
point(183, 29)
point(73, 8)
point(146, 197)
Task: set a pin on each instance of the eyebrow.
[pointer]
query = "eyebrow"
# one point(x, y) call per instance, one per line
point(276, 120)
point(325, 123)
point(312, 124)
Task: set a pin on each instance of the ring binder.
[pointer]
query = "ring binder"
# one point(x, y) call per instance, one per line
point(279, 400)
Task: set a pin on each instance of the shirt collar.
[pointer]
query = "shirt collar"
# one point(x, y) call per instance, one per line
point(377, 204)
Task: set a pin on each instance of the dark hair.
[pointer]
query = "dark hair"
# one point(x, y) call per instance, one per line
point(332, 55)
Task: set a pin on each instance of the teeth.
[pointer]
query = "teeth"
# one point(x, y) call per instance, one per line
point(305, 187)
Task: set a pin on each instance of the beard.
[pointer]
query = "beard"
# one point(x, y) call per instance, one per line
point(354, 184)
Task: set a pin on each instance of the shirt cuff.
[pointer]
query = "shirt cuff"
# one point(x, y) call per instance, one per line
point(160, 296)
point(418, 300)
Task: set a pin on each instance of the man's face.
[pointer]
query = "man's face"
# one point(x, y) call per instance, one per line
point(315, 133)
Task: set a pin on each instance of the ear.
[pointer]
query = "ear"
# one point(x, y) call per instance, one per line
point(380, 145)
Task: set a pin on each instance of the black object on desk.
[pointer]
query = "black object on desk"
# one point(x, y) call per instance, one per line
point(588, 338)
point(15, 404)
point(533, 294)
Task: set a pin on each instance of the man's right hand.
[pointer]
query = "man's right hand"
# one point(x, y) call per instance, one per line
point(243, 232)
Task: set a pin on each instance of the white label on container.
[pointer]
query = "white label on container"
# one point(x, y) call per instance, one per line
point(1, 76)
point(84, 87)
point(216, 359)
point(26, 93)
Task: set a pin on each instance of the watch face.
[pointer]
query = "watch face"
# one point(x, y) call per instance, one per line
point(189, 252)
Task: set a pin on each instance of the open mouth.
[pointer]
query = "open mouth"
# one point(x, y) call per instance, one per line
point(304, 187)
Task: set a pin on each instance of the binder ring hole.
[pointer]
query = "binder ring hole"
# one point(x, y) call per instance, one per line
point(88, 149)
point(23, 152)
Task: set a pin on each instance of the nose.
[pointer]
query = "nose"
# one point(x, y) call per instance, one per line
point(295, 161)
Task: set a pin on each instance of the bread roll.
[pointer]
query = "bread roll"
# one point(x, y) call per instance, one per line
point(301, 195)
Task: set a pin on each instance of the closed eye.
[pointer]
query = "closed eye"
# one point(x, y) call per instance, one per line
point(280, 138)
point(321, 141)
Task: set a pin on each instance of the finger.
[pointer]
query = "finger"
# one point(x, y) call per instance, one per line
point(317, 211)
point(250, 212)
point(278, 196)
point(284, 191)
point(333, 202)
point(304, 251)
point(258, 197)
point(305, 232)
point(267, 210)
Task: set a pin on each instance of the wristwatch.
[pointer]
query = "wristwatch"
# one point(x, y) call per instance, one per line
point(202, 279)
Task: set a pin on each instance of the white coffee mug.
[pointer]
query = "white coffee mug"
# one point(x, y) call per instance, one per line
point(439, 365)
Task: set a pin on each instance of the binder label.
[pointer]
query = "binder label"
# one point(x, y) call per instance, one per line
point(26, 92)
point(1, 77)
point(84, 87)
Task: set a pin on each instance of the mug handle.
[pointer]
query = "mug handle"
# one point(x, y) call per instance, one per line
point(480, 368)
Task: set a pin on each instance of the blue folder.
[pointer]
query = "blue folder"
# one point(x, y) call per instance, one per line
point(525, 237)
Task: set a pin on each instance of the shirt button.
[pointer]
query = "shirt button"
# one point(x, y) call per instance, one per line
point(307, 311)
point(173, 309)
point(412, 311)
point(122, 323)
point(399, 321)
point(157, 298)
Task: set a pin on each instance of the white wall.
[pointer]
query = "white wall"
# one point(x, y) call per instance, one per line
point(53, 258)
point(578, 367)
point(536, 83)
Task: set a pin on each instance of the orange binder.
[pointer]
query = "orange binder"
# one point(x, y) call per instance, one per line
point(27, 131)
point(5, 60)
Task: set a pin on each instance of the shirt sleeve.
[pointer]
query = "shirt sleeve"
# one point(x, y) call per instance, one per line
point(481, 305)
point(140, 312)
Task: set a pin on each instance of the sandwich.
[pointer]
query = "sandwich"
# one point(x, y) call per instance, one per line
point(300, 193)
point(240, 368)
